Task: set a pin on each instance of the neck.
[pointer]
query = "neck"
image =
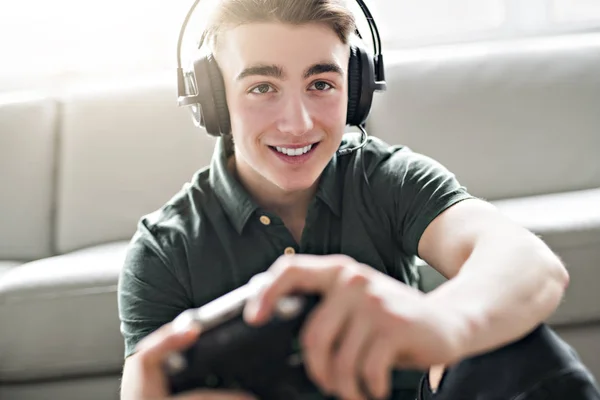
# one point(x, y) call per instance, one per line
point(290, 206)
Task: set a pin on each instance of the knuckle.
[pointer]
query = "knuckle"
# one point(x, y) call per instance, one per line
point(373, 300)
point(282, 263)
point(373, 306)
point(355, 279)
point(343, 259)
point(286, 268)
point(258, 278)
point(291, 270)
point(338, 269)
point(352, 279)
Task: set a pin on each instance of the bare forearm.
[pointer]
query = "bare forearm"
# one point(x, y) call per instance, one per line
point(509, 284)
point(127, 381)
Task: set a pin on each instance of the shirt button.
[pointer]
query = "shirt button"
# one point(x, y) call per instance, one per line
point(289, 251)
point(265, 220)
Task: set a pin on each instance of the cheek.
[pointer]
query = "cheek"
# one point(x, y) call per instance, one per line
point(331, 110)
point(249, 117)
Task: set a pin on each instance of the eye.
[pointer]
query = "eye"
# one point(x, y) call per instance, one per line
point(321, 86)
point(261, 89)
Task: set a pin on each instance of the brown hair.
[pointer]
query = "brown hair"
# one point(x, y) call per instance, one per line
point(232, 13)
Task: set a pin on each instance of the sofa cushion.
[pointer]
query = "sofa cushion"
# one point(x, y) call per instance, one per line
point(101, 387)
point(125, 151)
point(9, 263)
point(27, 165)
point(510, 119)
point(570, 224)
point(63, 315)
point(6, 266)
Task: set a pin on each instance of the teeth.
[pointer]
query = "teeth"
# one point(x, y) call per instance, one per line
point(294, 152)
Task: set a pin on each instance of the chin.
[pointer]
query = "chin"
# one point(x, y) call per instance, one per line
point(294, 185)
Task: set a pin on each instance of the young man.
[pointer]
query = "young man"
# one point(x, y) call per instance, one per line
point(279, 197)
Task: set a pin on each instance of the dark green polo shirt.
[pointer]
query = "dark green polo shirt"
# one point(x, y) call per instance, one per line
point(210, 238)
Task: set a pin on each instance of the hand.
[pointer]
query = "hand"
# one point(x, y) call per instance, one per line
point(366, 324)
point(150, 383)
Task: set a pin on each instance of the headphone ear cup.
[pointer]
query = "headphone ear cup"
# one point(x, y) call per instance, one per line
point(210, 109)
point(219, 96)
point(354, 85)
point(203, 110)
point(361, 85)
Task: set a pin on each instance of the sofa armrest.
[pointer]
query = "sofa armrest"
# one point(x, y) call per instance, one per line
point(570, 224)
point(60, 316)
point(563, 220)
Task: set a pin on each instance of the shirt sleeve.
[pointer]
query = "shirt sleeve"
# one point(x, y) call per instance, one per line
point(150, 294)
point(415, 189)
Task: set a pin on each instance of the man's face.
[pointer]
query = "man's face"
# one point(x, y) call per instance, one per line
point(286, 91)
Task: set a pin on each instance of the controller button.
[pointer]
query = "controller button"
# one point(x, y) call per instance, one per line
point(175, 363)
point(289, 307)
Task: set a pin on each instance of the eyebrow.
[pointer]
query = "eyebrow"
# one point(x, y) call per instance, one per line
point(276, 71)
point(322, 68)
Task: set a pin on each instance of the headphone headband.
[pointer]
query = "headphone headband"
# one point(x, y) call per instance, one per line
point(203, 88)
point(378, 61)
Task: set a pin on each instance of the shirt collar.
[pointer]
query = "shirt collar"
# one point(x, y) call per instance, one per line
point(332, 179)
point(329, 190)
point(234, 199)
point(238, 204)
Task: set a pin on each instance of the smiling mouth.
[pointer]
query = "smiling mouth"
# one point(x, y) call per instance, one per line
point(294, 152)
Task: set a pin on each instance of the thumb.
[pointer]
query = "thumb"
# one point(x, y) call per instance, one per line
point(165, 340)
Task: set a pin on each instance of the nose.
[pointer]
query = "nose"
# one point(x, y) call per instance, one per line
point(295, 118)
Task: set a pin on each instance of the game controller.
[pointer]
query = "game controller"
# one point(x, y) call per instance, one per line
point(264, 360)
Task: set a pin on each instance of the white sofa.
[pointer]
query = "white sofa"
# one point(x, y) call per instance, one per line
point(519, 124)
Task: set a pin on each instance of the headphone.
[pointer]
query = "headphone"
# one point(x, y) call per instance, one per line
point(202, 88)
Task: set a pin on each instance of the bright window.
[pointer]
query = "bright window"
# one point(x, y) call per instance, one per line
point(575, 10)
point(69, 36)
point(48, 42)
point(405, 21)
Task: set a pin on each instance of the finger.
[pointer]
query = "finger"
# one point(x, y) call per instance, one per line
point(436, 372)
point(347, 358)
point(326, 326)
point(375, 372)
point(214, 395)
point(158, 345)
point(292, 274)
